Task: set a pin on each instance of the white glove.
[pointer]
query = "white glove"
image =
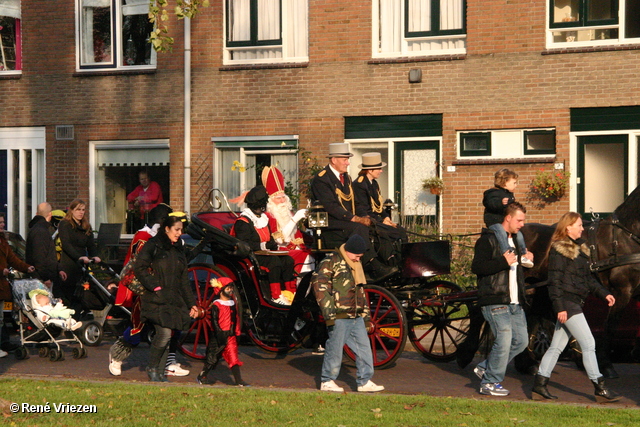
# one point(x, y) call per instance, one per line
point(299, 215)
point(263, 246)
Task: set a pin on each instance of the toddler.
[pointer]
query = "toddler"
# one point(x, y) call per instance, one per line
point(495, 200)
point(48, 313)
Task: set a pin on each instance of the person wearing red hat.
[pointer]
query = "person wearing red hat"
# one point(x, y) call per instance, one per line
point(252, 227)
point(227, 324)
point(283, 223)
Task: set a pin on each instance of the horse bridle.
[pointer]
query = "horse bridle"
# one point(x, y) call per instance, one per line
point(614, 260)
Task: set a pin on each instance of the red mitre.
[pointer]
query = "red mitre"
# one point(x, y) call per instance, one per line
point(273, 180)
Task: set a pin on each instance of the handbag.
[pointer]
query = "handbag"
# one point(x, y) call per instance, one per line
point(129, 279)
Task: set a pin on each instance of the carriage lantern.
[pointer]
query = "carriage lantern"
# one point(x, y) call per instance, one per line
point(318, 219)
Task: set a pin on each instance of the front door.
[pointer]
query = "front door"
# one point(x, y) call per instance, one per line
point(602, 173)
point(415, 161)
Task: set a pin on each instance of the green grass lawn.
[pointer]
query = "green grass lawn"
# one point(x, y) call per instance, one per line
point(119, 404)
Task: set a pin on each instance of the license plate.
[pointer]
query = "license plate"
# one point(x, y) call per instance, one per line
point(392, 332)
point(8, 306)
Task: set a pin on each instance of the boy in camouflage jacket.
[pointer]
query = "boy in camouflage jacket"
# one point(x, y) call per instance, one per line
point(338, 287)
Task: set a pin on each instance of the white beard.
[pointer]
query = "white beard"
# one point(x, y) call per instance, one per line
point(283, 216)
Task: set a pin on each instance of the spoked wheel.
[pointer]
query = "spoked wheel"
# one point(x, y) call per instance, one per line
point(193, 342)
point(438, 325)
point(390, 327)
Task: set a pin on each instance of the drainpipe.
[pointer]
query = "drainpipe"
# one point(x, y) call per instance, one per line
point(187, 115)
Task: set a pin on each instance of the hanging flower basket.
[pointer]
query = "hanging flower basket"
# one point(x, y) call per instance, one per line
point(433, 184)
point(550, 184)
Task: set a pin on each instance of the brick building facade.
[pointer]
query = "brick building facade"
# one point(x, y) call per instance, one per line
point(497, 71)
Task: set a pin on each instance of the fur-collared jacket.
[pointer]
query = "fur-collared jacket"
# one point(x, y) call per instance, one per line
point(570, 280)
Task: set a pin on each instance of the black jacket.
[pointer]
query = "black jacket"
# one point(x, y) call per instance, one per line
point(493, 206)
point(492, 269)
point(41, 249)
point(570, 279)
point(324, 188)
point(163, 264)
point(76, 243)
point(368, 199)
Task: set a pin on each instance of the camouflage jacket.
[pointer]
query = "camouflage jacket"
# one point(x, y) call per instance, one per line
point(336, 292)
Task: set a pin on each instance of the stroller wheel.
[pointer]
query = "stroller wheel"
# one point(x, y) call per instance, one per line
point(77, 353)
point(43, 352)
point(22, 353)
point(54, 354)
point(91, 334)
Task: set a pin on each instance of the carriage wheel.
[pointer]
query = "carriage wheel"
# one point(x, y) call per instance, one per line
point(193, 342)
point(283, 330)
point(438, 326)
point(390, 327)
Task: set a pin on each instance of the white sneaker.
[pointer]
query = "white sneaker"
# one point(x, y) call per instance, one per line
point(115, 367)
point(495, 389)
point(526, 262)
point(370, 387)
point(3, 353)
point(479, 371)
point(175, 370)
point(331, 386)
point(318, 350)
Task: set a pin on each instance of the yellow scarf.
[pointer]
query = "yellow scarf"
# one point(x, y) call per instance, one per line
point(356, 268)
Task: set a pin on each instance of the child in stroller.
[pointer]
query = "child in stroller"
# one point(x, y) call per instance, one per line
point(48, 313)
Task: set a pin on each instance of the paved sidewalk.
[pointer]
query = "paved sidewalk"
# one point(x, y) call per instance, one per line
point(412, 374)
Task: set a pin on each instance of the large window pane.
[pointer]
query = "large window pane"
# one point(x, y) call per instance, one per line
point(632, 19)
point(451, 15)
point(269, 20)
point(239, 20)
point(95, 32)
point(601, 9)
point(419, 15)
point(566, 10)
point(9, 43)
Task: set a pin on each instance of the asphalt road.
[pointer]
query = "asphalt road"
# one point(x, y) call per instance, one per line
point(412, 374)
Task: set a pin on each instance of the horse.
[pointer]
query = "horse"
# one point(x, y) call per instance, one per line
point(615, 259)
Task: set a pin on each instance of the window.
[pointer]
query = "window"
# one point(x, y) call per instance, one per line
point(592, 22)
point(475, 144)
point(115, 172)
point(239, 161)
point(114, 34)
point(508, 143)
point(266, 31)
point(419, 27)
point(10, 37)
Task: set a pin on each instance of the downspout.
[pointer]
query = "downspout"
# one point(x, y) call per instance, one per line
point(187, 115)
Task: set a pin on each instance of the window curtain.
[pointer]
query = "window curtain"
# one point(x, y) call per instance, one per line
point(240, 22)
point(10, 8)
point(295, 31)
point(135, 7)
point(288, 165)
point(451, 14)
point(268, 19)
point(100, 196)
point(390, 26)
point(87, 55)
point(229, 181)
point(419, 15)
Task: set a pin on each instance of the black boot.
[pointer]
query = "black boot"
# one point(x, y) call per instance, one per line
point(237, 377)
point(202, 376)
point(154, 375)
point(540, 388)
point(603, 394)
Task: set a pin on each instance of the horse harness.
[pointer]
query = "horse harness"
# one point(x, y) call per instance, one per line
point(615, 259)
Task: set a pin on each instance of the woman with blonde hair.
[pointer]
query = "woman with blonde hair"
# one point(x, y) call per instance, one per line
point(78, 245)
point(570, 281)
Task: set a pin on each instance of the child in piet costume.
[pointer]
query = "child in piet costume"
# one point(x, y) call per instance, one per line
point(226, 326)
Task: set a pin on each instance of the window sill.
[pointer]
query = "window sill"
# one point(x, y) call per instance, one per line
point(587, 49)
point(112, 72)
point(10, 75)
point(494, 161)
point(409, 59)
point(282, 65)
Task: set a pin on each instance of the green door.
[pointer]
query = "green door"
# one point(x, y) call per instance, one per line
point(415, 161)
point(602, 173)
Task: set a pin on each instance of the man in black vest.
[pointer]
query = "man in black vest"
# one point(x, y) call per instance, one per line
point(331, 187)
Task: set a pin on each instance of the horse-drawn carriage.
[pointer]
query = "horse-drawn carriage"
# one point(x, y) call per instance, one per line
point(412, 303)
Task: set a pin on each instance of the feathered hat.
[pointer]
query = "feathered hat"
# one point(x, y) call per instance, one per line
point(273, 180)
point(220, 283)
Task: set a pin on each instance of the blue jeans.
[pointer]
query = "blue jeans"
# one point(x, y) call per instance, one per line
point(509, 327)
point(503, 239)
point(577, 327)
point(352, 332)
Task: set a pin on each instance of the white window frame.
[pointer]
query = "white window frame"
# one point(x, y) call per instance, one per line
point(294, 35)
point(454, 44)
point(94, 146)
point(12, 9)
point(23, 140)
point(503, 145)
point(116, 42)
point(550, 44)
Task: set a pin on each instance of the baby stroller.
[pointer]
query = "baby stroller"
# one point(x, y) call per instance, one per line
point(46, 336)
point(96, 295)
